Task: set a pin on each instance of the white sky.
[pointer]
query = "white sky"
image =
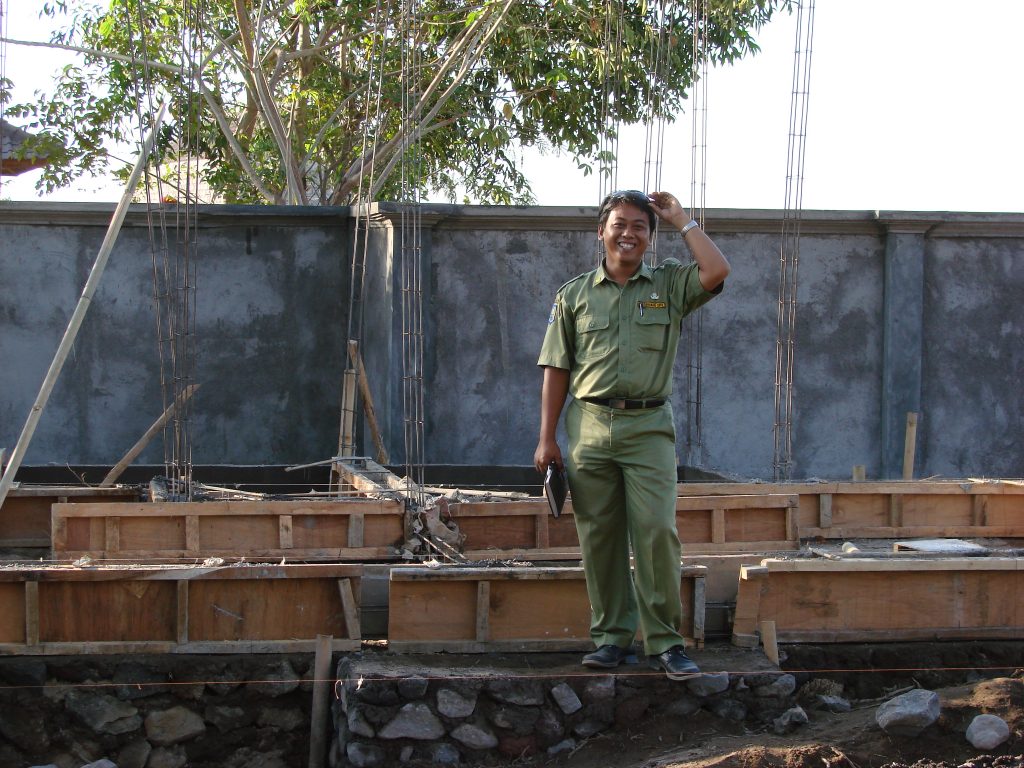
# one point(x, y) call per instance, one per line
point(914, 105)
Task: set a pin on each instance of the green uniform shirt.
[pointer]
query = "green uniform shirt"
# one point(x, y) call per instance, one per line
point(620, 341)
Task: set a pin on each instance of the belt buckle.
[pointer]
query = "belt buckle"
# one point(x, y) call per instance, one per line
point(617, 402)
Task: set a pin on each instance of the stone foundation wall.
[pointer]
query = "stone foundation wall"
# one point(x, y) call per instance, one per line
point(156, 712)
point(472, 711)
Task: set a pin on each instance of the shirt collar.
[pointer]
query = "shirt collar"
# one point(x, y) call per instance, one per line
point(645, 272)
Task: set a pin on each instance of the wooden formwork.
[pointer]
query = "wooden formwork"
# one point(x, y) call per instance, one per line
point(177, 609)
point(715, 523)
point(25, 514)
point(340, 530)
point(894, 509)
point(885, 599)
point(483, 610)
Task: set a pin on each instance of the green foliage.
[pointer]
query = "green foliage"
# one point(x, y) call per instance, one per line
point(541, 79)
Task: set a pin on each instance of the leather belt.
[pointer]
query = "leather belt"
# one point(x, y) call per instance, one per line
point(623, 404)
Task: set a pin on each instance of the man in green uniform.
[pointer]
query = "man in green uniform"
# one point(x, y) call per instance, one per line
point(611, 341)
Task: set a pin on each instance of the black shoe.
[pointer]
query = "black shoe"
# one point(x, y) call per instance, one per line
point(608, 657)
point(676, 664)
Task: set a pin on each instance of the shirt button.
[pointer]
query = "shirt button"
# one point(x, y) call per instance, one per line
point(591, 325)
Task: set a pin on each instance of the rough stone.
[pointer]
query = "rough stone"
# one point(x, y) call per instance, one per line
point(782, 686)
point(413, 687)
point(566, 699)
point(789, 720)
point(444, 754)
point(379, 692)
point(728, 709)
point(708, 684)
point(987, 732)
point(517, 746)
point(230, 680)
point(134, 754)
point(251, 758)
point(103, 713)
point(406, 754)
point(378, 715)
point(475, 736)
point(549, 728)
point(454, 705)
point(525, 693)
point(101, 763)
point(588, 728)
point(683, 705)
point(277, 681)
point(173, 726)
point(357, 724)
point(599, 689)
point(226, 719)
point(25, 728)
point(519, 720)
point(189, 691)
point(24, 672)
point(909, 714)
point(566, 745)
point(362, 755)
point(137, 681)
point(631, 709)
point(828, 703)
point(282, 718)
point(413, 721)
point(168, 757)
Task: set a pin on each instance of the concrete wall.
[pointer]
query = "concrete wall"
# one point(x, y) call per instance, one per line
point(896, 312)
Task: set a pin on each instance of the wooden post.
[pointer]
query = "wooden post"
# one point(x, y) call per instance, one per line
point(859, 472)
point(93, 281)
point(770, 642)
point(909, 446)
point(143, 441)
point(321, 688)
point(364, 389)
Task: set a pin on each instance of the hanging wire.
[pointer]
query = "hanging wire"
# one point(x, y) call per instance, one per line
point(654, 140)
point(3, 83)
point(411, 249)
point(174, 267)
point(693, 325)
point(789, 252)
point(371, 130)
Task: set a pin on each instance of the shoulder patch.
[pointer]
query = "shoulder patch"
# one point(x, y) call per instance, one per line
point(554, 313)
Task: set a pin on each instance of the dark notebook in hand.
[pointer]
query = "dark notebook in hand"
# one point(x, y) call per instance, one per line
point(555, 488)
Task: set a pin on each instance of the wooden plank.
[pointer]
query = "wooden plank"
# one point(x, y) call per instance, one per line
point(192, 537)
point(697, 610)
point(543, 540)
point(718, 526)
point(14, 618)
point(909, 446)
point(153, 647)
point(895, 510)
point(350, 609)
point(227, 508)
point(119, 610)
point(111, 536)
point(181, 613)
point(356, 524)
point(979, 510)
point(770, 641)
point(483, 611)
point(284, 531)
point(825, 510)
point(923, 531)
point(31, 613)
point(318, 721)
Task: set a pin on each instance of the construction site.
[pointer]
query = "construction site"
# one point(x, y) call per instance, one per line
point(292, 521)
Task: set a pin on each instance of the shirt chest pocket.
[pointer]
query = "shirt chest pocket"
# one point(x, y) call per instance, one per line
point(593, 337)
point(652, 330)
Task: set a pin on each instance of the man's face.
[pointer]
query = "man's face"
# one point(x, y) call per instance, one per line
point(626, 234)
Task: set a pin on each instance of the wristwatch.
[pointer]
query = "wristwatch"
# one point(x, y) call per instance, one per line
point(686, 228)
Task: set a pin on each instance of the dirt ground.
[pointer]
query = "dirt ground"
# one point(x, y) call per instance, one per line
point(849, 740)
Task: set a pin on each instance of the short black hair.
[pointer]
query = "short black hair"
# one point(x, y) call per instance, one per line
point(622, 196)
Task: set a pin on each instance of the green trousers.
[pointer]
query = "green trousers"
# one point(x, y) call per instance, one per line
point(622, 476)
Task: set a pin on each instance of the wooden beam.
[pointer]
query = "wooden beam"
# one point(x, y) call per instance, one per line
point(910, 446)
point(318, 723)
point(825, 510)
point(284, 527)
point(181, 621)
point(368, 410)
point(31, 613)
point(356, 530)
point(483, 611)
point(350, 608)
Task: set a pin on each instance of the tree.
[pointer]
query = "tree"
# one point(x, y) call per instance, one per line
point(308, 101)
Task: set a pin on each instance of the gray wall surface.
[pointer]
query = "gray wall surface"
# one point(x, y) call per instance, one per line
point(895, 312)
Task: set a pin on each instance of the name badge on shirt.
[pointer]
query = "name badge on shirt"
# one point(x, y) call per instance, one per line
point(654, 304)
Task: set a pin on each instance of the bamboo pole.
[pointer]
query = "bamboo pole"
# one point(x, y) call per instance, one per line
point(75, 323)
point(368, 409)
point(910, 446)
point(321, 687)
point(150, 433)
